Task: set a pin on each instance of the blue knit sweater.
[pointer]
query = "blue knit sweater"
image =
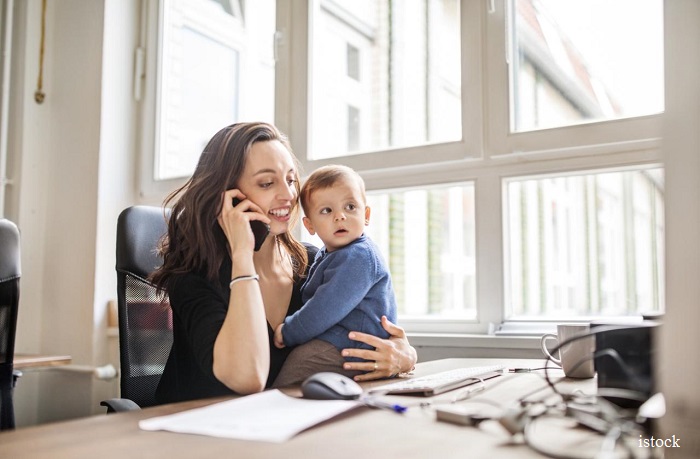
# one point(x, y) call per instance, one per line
point(346, 290)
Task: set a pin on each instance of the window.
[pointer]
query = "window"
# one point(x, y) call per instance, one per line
point(519, 114)
point(585, 245)
point(353, 62)
point(427, 236)
point(402, 60)
point(353, 128)
point(428, 240)
point(195, 60)
point(573, 64)
point(210, 65)
point(512, 176)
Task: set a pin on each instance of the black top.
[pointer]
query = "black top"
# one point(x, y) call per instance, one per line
point(199, 308)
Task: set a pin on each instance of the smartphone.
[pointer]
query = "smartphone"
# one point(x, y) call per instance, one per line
point(260, 229)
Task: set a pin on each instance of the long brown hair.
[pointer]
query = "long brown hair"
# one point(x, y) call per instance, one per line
point(195, 241)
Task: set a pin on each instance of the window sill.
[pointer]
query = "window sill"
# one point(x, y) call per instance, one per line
point(465, 340)
point(434, 346)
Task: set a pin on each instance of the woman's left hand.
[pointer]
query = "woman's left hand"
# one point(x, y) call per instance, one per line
point(390, 356)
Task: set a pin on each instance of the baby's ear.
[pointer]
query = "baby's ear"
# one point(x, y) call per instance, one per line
point(368, 211)
point(308, 225)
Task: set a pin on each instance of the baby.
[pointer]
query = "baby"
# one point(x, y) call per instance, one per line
point(348, 287)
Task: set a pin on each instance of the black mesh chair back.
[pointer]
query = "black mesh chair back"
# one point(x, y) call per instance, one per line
point(145, 321)
point(9, 304)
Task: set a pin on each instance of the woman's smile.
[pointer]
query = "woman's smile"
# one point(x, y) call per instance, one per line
point(280, 214)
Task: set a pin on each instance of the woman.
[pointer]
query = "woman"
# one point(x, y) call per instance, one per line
point(226, 298)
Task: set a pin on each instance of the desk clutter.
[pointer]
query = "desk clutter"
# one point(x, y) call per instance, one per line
point(614, 420)
point(275, 417)
point(556, 416)
point(527, 412)
point(558, 419)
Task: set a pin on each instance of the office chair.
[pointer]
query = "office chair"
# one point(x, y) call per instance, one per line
point(10, 273)
point(145, 321)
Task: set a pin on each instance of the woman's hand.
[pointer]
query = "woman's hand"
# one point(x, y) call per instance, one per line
point(235, 221)
point(390, 356)
point(241, 348)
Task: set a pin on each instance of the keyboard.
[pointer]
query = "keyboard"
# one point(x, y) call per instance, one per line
point(438, 383)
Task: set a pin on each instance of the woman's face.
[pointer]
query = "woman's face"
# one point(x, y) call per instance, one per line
point(269, 180)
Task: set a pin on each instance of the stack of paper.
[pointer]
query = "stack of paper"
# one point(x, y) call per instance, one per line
point(267, 416)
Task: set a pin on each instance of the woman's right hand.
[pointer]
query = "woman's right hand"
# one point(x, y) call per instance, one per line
point(241, 349)
point(235, 221)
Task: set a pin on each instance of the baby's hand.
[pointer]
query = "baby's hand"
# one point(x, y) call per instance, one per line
point(279, 341)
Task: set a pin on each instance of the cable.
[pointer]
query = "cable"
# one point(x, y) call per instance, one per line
point(609, 352)
point(615, 356)
point(528, 437)
point(616, 431)
point(39, 94)
point(608, 426)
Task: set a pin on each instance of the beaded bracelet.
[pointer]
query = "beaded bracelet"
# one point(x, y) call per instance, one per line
point(254, 277)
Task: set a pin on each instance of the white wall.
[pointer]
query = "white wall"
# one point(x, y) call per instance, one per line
point(25, 205)
point(73, 172)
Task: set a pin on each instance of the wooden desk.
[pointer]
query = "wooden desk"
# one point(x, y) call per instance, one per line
point(32, 361)
point(361, 433)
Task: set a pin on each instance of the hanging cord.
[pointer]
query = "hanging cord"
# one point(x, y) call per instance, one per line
point(39, 95)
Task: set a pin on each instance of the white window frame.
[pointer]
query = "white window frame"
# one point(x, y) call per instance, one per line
point(582, 140)
point(147, 79)
point(293, 98)
point(487, 154)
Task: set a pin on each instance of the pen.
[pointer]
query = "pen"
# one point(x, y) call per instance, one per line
point(385, 406)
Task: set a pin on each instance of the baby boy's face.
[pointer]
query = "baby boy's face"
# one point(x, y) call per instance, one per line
point(338, 214)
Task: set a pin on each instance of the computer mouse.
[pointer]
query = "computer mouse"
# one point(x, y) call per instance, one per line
point(330, 386)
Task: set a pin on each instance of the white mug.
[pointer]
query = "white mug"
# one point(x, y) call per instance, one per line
point(576, 358)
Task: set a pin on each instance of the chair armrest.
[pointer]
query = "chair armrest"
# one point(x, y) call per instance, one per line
point(119, 405)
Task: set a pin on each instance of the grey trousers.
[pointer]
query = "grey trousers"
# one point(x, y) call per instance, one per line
point(309, 358)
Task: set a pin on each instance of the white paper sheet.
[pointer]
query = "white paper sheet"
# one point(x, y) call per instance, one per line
point(268, 416)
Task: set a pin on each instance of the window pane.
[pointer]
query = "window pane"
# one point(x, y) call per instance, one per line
point(211, 58)
point(353, 62)
point(198, 99)
point(577, 61)
point(396, 63)
point(586, 245)
point(427, 238)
